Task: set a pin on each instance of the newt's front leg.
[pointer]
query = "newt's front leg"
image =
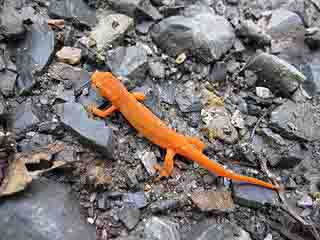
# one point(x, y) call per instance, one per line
point(104, 113)
point(166, 169)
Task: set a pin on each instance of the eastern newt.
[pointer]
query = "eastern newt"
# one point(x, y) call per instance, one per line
point(151, 127)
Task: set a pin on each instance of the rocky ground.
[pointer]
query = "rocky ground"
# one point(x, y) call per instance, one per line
point(241, 75)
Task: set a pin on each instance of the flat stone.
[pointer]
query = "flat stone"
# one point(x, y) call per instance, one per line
point(157, 69)
point(253, 196)
point(149, 160)
point(97, 178)
point(227, 231)
point(110, 29)
point(92, 132)
point(130, 217)
point(144, 27)
point(279, 152)
point(167, 91)
point(251, 31)
point(69, 55)
point(187, 98)
point(25, 117)
point(218, 72)
point(46, 210)
point(33, 55)
point(7, 82)
point(73, 10)
point(192, 34)
point(11, 23)
point(135, 200)
point(138, 9)
point(213, 201)
point(296, 121)
point(129, 63)
point(159, 229)
point(276, 74)
point(164, 205)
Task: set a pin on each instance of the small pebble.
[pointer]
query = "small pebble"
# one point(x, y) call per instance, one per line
point(90, 220)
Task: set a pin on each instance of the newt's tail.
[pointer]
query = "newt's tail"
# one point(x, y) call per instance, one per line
point(218, 169)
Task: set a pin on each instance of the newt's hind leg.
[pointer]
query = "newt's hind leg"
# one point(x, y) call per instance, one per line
point(139, 96)
point(166, 169)
point(197, 143)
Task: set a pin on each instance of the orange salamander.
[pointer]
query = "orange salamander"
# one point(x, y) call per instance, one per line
point(151, 127)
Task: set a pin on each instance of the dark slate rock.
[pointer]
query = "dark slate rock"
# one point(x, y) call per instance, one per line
point(312, 83)
point(158, 229)
point(92, 132)
point(129, 217)
point(11, 23)
point(2, 106)
point(138, 9)
point(144, 27)
point(129, 63)
point(188, 100)
point(47, 210)
point(25, 117)
point(253, 196)
point(296, 121)
point(192, 34)
point(167, 91)
point(33, 55)
point(135, 200)
point(276, 74)
point(76, 10)
point(218, 72)
point(209, 231)
point(7, 82)
point(280, 152)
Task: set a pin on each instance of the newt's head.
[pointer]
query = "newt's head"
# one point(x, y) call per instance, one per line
point(107, 85)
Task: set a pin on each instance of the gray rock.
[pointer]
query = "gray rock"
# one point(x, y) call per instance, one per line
point(193, 34)
point(208, 231)
point(213, 201)
point(11, 23)
point(296, 120)
point(253, 196)
point(157, 69)
point(76, 10)
point(7, 82)
point(2, 106)
point(149, 160)
point(218, 72)
point(129, 217)
point(64, 95)
point(164, 205)
point(305, 202)
point(25, 117)
point(187, 99)
point(33, 55)
point(160, 229)
point(135, 200)
point(92, 132)
point(250, 30)
point(131, 63)
point(276, 74)
point(110, 29)
point(47, 210)
point(312, 83)
point(167, 92)
point(144, 27)
point(280, 152)
point(138, 9)
point(103, 202)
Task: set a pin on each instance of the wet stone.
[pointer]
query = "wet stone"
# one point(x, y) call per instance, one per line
point(129, 217)
point(110, 29)
point(227, 231)
point(76, 10)
point(218, 72)
point(44, 202)
point(253, 196)
point(213, 201)
point(187, 99)
point(149, 160)
point(33, 55)
point(158, 229)
point(11, 23)
point(90, 131)
point(129, 63)
point(196, 37)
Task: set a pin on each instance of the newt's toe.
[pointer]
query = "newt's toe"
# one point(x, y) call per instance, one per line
point(162, 171)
